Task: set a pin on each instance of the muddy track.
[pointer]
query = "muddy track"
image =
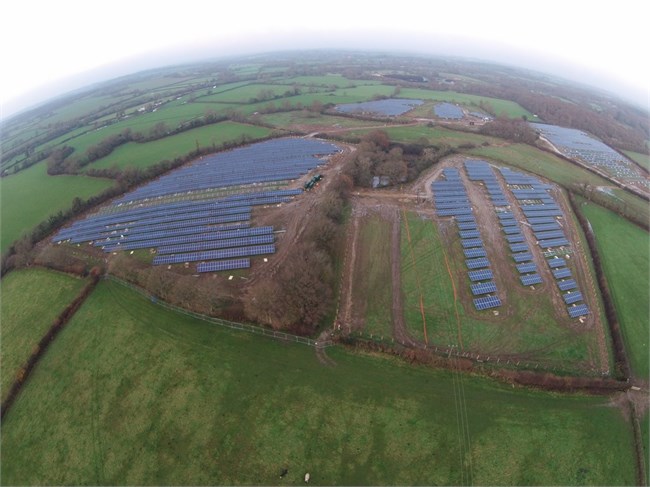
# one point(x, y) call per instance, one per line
point(344, 316)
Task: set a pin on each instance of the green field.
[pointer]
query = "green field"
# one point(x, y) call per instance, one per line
point(143, 155)
point(31, 196)
point(558, 170)
point(31, 299)
point(327, 80)
point(528, 323)
point(434, 135)
point(623, 248)
point(372, 293)
point(499, 107)
point(130, 393)
point(641, 159)
point(317, 120)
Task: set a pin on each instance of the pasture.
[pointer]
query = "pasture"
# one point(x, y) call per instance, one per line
point(623, 249)
point(372, 293)
point(143, 155)
point(642, 160)
point(528, 325)
point(434, 135)
point(31, 300)
point(31, 196)
point(131, 393)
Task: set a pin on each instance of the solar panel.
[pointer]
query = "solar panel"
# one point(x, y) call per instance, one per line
point(469, 234)
point(515, 238)
point(522, 257)
point(467, 226)
point(556, 262)
point(483, 288)
point(549, 234)
point(479, 263)
point(223, 265)
point(475, 252)
point(487, 302)
point(542, 227)
point(574, 297)
point(465, 218)
point(216, 244)
point(519, 247)
point(511, 230)
point(508, 223)
point(527, 267)
point(577, 311)
point(541, 219)
point(504, 215)
point(562, 273)
point(567, 285)
point(554, 242)
point(471, 242)
point(214, 254)
point(530, 279)
point(480, 275)
point(453, 211)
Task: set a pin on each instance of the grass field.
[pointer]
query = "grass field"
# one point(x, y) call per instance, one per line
point(372, 291)
point(528, 323)
point(133, 394)
point(623, 249)
point(303, 117)
point(31, 299)
point(434, 135)
point(642, 159)
point(509, 108)
point(31, 196)
point(562, 172)
point(137, 155)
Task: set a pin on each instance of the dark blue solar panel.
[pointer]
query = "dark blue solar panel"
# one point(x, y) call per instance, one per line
point(474, 252)
point(466, 218)
point(216, 244)
point(522, 257)
point(567, 285)
point(562, 273)
point(538, 213)
point(471, 242)
point(511, 230)
point(479, 263)
point(480, 275)
point(519, 247)
point(454, 211)
point(515, 238)
point(530, 279)
point(550, 234)
point(469, 234)
point(389, 107)
point(487, 302)
point(508, 223)
point(542, 227)
point(554, 242)
point(556, 262)
point(223, 265)
point(527, 267)
point(467, 226)
point(214, 254)
point(541, 219)
point(577, 311)
point(574, 297)
point(447, 110)
point(483, 288)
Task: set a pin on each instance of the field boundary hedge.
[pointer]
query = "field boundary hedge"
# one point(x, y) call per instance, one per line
point(257, 330)
point(39, 350)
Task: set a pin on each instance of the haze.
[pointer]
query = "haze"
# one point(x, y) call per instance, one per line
point(51, 48)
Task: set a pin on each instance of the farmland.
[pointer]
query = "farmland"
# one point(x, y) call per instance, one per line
point(143, 155)
point(624, 253)
point(31, 196)
point(433, 273)
point(642, 159)
point(433, 135)
point(97, 412)
point(31, 299)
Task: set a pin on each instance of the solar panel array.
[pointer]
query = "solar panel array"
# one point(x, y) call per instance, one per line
point(530, 279)
point(576, 144)
point(487, 302)
point(201, 211)
point(389, 107)
point(448, 110)
point(223, 265)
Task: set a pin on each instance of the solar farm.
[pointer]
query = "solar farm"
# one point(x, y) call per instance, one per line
point(583, 147)
point(448, 111)
point(201, 213)
point(391, 107)
point(517, 200)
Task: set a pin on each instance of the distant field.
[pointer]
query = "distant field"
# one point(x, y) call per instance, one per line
point(133, 394)
point(507, 107)
point(528, 324)
point(551, 167)
point(143, 155)
point(434, 135)
point(372, 291)
point(245, 94)
point(623, 249)
point(31, 299)
point(328, 80)
point(642, 159)
point(287, 119)
point(31, 196)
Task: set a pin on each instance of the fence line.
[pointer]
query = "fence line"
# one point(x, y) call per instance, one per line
point(258, 330)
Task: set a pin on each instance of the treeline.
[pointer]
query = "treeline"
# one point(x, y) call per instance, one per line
point(515, 130)
point(620, 357)
point(527, 378)
point(40, 348)
point(393, 163)
point(301, 293)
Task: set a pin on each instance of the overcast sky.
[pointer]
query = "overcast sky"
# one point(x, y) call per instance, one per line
point(50, 47)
